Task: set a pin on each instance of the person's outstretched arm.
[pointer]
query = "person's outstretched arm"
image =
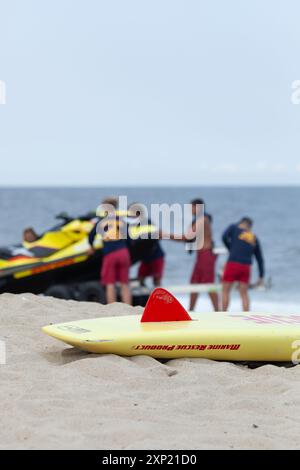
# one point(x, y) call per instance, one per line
point(260, 260)
point(202, 223)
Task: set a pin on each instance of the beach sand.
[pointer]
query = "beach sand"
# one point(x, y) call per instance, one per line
point(55, 397)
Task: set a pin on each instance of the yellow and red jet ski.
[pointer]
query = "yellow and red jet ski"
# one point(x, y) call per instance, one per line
point(58, 263)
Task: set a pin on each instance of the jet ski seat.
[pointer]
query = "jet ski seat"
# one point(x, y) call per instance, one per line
point(6, 253)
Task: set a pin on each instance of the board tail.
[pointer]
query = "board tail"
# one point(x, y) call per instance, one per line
point(163, 306)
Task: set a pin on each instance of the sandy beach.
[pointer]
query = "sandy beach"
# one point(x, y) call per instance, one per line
point(55, 397)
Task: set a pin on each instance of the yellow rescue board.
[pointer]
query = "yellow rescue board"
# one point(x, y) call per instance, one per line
point(218, 336)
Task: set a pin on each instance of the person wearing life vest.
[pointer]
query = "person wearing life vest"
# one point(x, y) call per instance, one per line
point(243, 245)
point(115, 268)
point(147, 247)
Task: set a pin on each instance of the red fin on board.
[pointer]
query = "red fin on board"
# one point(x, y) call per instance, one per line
point(162, 306)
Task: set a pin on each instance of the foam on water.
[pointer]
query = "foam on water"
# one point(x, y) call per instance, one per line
point(258, 304)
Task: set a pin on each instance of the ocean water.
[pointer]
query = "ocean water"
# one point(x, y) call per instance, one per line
point(275, 211)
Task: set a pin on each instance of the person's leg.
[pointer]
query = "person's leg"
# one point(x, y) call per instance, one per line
point(142, 273)
point(193, 300)
point(123, 275)
point(126, 294)
point(243, 287)
point(195, 279)
point(157, 281)
point(226, 295)
point(214, 300)
point(209, 277)
point(108, 278)
point(158, 270)
point(111, 296)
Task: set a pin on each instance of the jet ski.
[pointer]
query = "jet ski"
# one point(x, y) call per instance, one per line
point(58, 263)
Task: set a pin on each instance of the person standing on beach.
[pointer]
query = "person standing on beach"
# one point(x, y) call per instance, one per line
point(116, 259)
point(152, 264)
point(151, 254)
point(242, 245)
point(204, 268)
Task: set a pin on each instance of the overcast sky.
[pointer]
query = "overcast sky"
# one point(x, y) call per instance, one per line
point(149, 92)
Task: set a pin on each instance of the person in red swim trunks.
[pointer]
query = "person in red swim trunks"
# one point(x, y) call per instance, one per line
point(116, 259)
point(204, 268)
point(243, 245)
point(153, 266)
point(146, 248)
